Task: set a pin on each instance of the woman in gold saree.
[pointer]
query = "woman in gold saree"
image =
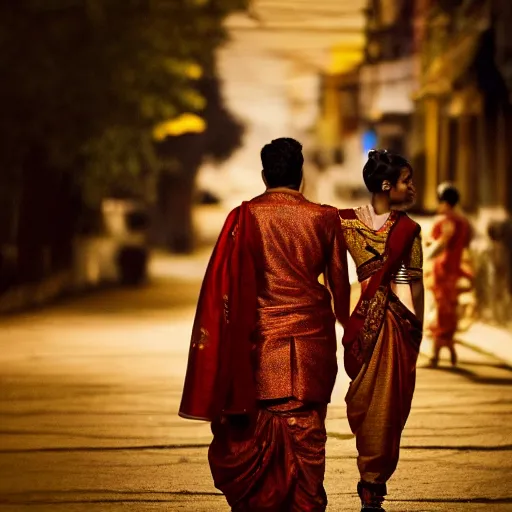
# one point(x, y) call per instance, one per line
point(383, 335)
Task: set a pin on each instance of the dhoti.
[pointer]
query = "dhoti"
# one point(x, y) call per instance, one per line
point(275, 464)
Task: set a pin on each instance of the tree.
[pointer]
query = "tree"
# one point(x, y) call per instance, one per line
point(184, 155)
point(84, 84)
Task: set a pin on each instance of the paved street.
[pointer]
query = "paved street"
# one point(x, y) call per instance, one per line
point(89, 391)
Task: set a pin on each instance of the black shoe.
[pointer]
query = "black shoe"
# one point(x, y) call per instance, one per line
point(372, 496)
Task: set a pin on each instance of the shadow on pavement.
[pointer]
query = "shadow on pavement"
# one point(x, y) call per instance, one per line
point(461, 448)
point(473, 376)
point(482, 500)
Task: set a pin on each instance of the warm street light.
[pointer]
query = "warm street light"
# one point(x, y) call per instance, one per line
point(186, 123)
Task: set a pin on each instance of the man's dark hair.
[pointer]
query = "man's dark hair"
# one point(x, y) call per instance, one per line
point(383, 166)
point(282, 162)
point(449, 194)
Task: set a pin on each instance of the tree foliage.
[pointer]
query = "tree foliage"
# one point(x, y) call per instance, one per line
point(87, 80)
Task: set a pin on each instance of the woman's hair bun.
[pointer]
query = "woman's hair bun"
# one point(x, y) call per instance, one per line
point(380, 155)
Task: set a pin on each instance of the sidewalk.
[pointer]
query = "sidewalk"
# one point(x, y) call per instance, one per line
point(488, 340)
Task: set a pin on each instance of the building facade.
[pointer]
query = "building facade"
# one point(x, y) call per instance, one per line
point(387, 76)
point(463, 127)
point(463, 110)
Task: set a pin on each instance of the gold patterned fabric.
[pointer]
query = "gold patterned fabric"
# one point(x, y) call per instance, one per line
point(295, 340)
point(379, 398)
point(367, 248)
point(414, 265)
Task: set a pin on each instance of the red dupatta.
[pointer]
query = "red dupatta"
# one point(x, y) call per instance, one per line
point(219, 377)
point(362, 329)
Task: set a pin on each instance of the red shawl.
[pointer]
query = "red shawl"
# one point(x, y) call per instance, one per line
point(219, 377)
point(357, 341)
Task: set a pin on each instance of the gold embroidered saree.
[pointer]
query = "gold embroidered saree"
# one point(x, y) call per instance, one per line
point(381, 340)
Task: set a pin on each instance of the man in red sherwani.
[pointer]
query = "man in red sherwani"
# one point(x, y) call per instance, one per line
point(262, 361)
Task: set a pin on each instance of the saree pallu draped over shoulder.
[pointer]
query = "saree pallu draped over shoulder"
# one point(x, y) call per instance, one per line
point(381, 342)
point(220, 378)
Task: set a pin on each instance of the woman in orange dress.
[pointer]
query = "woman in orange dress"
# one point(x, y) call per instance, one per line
point(383, 334)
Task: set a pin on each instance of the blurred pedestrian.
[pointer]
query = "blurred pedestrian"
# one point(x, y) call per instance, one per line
point(383, 335)
point(262, 361)
point(450, 238)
